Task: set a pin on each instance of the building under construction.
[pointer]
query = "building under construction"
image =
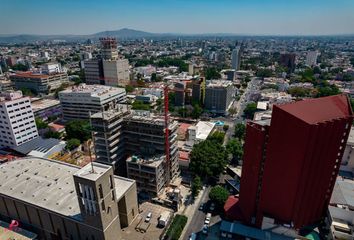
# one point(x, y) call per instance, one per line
point(121, 134)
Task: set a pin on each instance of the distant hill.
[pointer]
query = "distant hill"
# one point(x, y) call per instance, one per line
point(126, 33)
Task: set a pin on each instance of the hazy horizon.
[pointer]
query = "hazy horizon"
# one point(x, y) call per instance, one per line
point(239, 17)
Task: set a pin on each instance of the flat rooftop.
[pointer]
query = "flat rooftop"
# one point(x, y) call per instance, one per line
point(154, 161)
point(94, 90)
point(49, 184)
point(218, 83)
point(43, 104)
point(107, 115)
point(16, 233)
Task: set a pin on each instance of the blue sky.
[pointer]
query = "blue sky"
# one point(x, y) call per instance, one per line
point(178, 16)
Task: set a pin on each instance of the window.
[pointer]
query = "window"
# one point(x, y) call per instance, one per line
point(100, 190)
point(111, 181)
point(103, 206)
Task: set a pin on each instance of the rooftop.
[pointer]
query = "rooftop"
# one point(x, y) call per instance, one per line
point(94, 90)
point(154, 161)
point(39, 144)
point(203, 129)
point(49, 184)
point(107, 115)
point(218, 83)
point(343, 193)
point(44, 103)
point(16, 233)
point(319, 109)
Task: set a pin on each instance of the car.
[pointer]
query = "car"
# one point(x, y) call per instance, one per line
point(208, 216)
point(201, 207)
point(212, 207)
point(193, 236)
point(207, 222)
point(205, 229)
point(148, 217)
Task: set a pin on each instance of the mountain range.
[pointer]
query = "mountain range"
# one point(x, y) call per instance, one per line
point(124, 33)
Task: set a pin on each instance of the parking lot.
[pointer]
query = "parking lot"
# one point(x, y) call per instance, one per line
point(140, 229)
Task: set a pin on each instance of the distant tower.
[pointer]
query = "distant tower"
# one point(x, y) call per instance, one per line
point(97, 199)
point(236, 58)
point(109, 48)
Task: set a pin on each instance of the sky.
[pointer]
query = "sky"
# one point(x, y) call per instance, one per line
point(259, 17)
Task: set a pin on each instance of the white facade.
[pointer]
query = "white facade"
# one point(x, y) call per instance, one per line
point(78, 101)
point(311, 58)
point(116, 72)
point(17, 124)
point(50, 68)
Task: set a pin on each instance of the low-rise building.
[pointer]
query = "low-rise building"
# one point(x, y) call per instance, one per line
point(39, 83)
point(44, 108)
point(57, 200)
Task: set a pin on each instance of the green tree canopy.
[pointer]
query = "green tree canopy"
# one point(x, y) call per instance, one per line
point(72, 143)
point(218, 195)
point(208, 158)
point(20, 67)
point(250, 110)
point(240, 131)
point(79, 129)
point(196, 186)
point(217, 137)
point(129, 88)
point(212, 73)
point(51, 134)
point(197, 111)
point(140, 105)
point(234, 146)
point(40, 123)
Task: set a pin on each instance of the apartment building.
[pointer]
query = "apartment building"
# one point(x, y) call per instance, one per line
point(57, 200)
point(39, 83)
point(116, 72)
point(79, 101)
point(17, 124)
point(219, 96)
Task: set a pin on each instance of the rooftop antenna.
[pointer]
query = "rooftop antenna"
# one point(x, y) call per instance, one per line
point(89, 145)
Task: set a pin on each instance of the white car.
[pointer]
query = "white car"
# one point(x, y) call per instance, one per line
point(207, 222)
point(148, 217)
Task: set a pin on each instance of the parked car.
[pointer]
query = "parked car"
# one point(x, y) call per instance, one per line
point(205, 229)
point(207, 222)
point(193, 236)
point(148, 217)
point(212, 207)
point(201, 207)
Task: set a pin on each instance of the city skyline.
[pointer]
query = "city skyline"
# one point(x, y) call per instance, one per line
point(192, 17)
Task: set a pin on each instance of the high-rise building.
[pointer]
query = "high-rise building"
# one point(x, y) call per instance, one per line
point(198, 90)
point(288, 60)
point(17, 125)
point(119, 134)
point(218, 96)
point(290, 164)
point(236, 58)
point(311, 58)
point(116, 72)
point(79, 101)
point(94, 71)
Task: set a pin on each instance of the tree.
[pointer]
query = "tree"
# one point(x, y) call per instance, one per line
point(217, 137)
point(299, 91)
point(212, 73)
point(196, 186)
point(27, 92)
point(250, 110)
point(218, 195)
point(153, 77)
point(197, 111)
point(328, 90)
point(240, 131)
point(51, 134)
point(225, 127)
point(208, 158)
point(79, 129)
point(72, 143)
point(234, 146)
point(129, 88)
point(140, 105)
point(20, 67)
point(262, 73)
point(232, 110)
point(40, 123)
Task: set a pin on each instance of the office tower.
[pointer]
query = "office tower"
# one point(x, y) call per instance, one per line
point(79, 101)
point(236, 58)
point(94, 71)
point(311, 58)
point(57, 200)
point(198, 90)
point(39, 83)
point(288, 60)
point(218, 96)
point(116, 72)
point(17, 125)
point(290, 165)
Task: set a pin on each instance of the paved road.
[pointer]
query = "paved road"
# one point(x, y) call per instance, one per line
point(197, 221)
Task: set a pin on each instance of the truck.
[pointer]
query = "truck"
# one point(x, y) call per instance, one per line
point(163, 219)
